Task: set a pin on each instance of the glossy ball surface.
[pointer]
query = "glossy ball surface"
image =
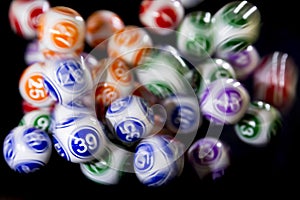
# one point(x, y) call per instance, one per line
point(162, 17)
point(130, 118)
point(24, 16)
point(158, 160)
point(27, 149)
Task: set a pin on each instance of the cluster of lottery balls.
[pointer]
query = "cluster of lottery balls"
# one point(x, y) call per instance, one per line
point(138, 107)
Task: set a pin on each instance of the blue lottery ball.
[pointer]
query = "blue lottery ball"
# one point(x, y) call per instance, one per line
point(156, 162)
point(27, 149)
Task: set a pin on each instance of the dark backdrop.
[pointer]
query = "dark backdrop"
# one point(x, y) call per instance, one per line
point(254, 172)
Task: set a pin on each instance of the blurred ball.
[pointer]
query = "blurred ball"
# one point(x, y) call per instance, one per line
point(79, 138)
point(24, 16)
point(67, 80)
point(183, 114)
point(163, 74)
point(106, 170)
point(27, 149)
point(209, 157)
point(237, 23)
point(158, 160)
point(225, 100)
point(113, 80)
point(162, 17)
point(195, 36)
point(130, 118)
point(32, 88)
point(275, 81)
point(129, 44)
point(101, 25)
point(259, 125)
point(37, 118)
point(244, 61)
point(61, 30)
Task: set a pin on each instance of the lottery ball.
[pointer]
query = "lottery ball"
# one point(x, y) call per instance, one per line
point(244, 61)
point(195, 36)
point(162, 17)
point(100, 25)
point(237, 23)
point(183, 114)
point(275, 81)
point(32, 88)
point(115, 77)
point(129, 44)
point(224, 101)
point(162, 78)
point(130, 118)
point(108, 169)
point(79, 138)
point(37, 118)
point(158, 160)
point(27, 149)
point(24, 16)
point(213, 69)
point(67, 80)
point(259, 125)
point(61, 30)
point(166, 56)
point(209, 157)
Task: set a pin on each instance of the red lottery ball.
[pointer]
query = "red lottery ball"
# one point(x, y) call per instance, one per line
point(275, 80)
point(163, 16)
point(24, 16)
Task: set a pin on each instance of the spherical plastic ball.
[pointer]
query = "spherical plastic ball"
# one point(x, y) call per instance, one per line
point(158, 160)
point(259, 125)
point(38, 118)
point(67, 80)
point(162, 17)
point(32, 88)
point(129, 44)
point(79, 139)
point(101, 25)
point(27, 149)
point(24, 16)
point(61, 30)
point(237, 23)
point(130, 118)
point(209, 157)
point(195, 36)
point(107, 170)
point(224, 101)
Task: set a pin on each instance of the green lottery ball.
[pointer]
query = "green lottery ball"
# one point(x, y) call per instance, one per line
point(260, 123)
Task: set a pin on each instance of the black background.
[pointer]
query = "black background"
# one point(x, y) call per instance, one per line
point(254, 171)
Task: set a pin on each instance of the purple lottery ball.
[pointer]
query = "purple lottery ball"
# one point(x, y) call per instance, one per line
point(224, 101)
point(209, 157)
